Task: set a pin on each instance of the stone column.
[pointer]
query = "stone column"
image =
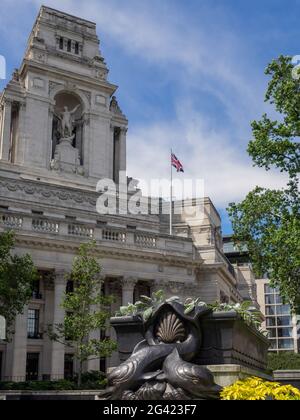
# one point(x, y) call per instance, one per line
point(58, 349)
point(110, 160)
point(50, 129)
point(128, 285)
point(21, 144)
point(17, 350)
point(123, 164)
point(6, 130)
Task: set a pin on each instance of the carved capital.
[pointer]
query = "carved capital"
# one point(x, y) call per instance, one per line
point(60, 277)
point(123, 130)
point(129, 283)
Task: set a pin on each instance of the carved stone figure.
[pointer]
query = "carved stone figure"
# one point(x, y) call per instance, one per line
point(160, 366)
point(67, 121)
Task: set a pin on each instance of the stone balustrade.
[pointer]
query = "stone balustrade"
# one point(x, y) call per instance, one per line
point(145, 241)
point(11, 221)
point(44, 225)
point(80, 230)
point(111, 235)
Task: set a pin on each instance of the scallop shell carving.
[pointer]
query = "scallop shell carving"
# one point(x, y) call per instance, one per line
point(170, 329)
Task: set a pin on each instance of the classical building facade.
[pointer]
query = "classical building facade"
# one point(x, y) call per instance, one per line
point(61, 131)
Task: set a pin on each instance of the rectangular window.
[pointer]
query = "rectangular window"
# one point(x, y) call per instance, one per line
point(32, 367)
point(271, 322)
point(69, 366)
point(286, 344)
point(61, 43)
point(270, 310)
point(69, 46)
point(285, 332)
point(270, 299)
point(33, 323)
point(36, 290)
point(77, 48)
point(284, 321)
point(283, 310)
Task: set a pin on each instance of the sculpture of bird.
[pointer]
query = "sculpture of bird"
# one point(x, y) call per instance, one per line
point(196, 381)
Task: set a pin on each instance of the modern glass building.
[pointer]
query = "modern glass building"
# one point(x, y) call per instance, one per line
point(283, 327)
point(281, 324)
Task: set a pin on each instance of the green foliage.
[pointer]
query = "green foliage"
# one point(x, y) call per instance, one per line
point(147, 305)
point(268, 221)
point(17, 275)
point(256, 389)
point(248, 313)
point(191, 304)
point(283, 361)
point(90, 381)
point(86, 310)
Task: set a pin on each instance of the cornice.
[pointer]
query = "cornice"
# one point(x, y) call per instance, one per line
point(106, 251)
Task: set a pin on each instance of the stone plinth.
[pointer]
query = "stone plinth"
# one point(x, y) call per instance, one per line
point(66, 157)
point(288, 377)
point(226, 375)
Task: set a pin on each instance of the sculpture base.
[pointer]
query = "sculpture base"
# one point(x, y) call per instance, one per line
point(225, 375)
point(66, 157)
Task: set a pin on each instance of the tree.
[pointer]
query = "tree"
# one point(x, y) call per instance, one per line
point(17, 275)
point(86, 311)
point(268, 221)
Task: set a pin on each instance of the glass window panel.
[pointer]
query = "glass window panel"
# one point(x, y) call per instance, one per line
point(285, 344)
point(33, 322)
point(283, 310)
point(268, 289)
point(270, 299)
point(271, 322)
point(270, 310)
point(284, 320)
point(285, 332)
point(278, 299)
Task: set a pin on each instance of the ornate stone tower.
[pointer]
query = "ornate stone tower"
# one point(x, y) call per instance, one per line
point(58, 115)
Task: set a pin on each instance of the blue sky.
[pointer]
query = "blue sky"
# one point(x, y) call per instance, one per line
point(190, 76)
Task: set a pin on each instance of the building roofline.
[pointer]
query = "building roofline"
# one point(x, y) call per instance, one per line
point(43, 7)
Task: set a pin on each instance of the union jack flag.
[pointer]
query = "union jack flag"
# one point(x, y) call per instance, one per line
point(176, 163)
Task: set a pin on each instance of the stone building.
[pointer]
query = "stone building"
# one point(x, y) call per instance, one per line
point(61, 131)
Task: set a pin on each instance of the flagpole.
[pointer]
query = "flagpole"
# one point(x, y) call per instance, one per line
point(171, 198)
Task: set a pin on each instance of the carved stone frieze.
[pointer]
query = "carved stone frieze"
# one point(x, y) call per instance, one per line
point(47, 192)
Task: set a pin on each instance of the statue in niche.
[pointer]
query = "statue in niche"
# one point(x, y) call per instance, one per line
point(67, 157)
point(67, 121)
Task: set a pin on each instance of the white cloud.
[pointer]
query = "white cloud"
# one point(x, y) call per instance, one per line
point(205, 153)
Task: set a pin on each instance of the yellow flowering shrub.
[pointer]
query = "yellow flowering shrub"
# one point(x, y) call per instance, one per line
point(258, 389)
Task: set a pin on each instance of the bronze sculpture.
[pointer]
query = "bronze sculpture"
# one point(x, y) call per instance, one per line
point(160, 366)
